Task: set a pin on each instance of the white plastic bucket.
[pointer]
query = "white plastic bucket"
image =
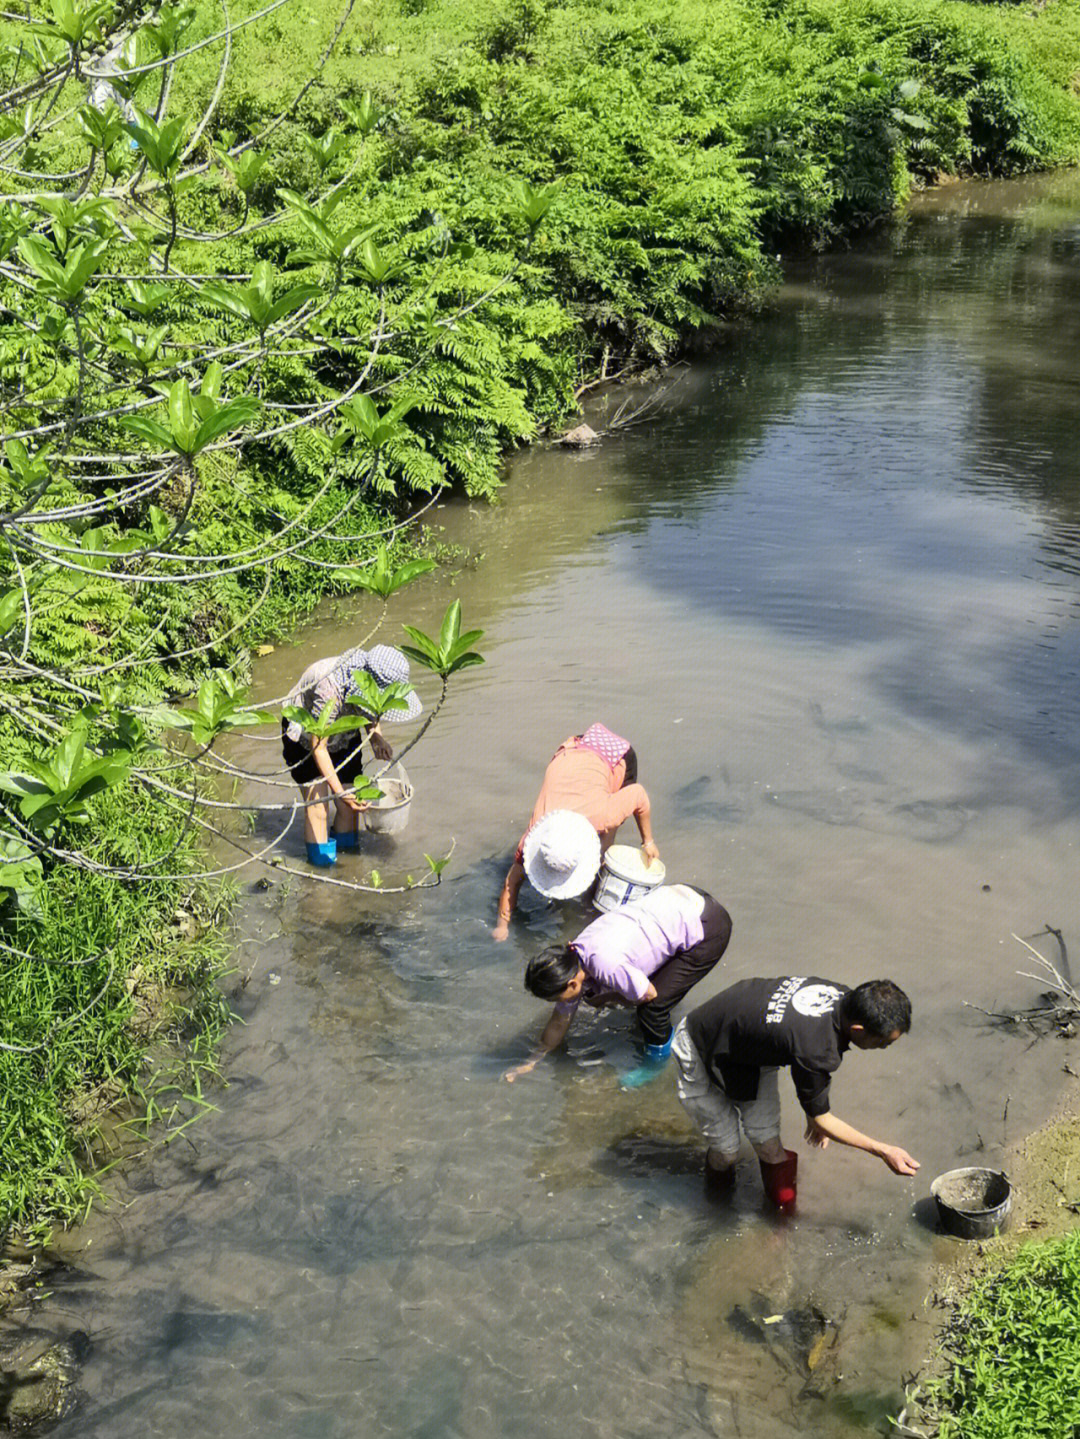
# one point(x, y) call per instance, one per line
point(625, 877)
point(390, 814)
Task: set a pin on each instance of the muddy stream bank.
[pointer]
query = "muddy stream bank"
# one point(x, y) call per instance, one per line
point(833, 596)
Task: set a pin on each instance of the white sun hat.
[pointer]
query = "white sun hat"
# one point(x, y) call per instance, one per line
point(561, 854)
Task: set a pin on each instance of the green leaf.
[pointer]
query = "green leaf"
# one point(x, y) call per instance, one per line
point(181, 416)
point(17, 783)
point(21, 873)
point(367, 696)
point(465, 661)
point(39, 259)
point(362, 113)
point(147, 429)
point(425, 651)
point(291, 300)
point(533, 202)
point(145, 298)
point(321, 726)
point(231, 416)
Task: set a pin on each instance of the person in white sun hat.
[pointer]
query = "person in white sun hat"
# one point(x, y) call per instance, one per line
point(594, 776)
point(561, 854)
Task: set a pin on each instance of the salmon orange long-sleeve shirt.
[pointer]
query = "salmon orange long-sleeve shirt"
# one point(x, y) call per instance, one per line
point(582, 780)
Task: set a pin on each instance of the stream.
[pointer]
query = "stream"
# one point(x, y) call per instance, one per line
point(832, 594)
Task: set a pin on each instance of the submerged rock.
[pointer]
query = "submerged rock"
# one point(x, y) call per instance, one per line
point(39, 1375)
point(579, 438)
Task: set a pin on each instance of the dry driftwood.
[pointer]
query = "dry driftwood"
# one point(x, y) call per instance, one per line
point(634, 410)
point(1059, 1009)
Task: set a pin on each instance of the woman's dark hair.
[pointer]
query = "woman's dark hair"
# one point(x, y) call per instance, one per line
point(548, 973)
point(880, 1006)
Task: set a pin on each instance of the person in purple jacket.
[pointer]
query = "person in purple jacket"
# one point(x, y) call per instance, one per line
point(648, 954)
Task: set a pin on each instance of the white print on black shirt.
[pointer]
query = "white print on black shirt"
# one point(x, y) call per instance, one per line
point(813, 1001)
point(816, 1000)
point(778, 1000)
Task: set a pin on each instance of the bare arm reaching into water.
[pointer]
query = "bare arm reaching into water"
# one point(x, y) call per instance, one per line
point(515, 878)
point(823, 1127)
point(555, 1032)
point(558, 1026)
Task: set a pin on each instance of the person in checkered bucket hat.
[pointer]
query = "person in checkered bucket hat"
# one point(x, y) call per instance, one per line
point(589, 789)
point(329, 769)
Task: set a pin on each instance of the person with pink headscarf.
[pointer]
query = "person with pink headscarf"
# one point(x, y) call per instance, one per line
point(592, 774)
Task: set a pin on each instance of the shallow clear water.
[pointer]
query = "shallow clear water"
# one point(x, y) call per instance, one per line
point(833, 596)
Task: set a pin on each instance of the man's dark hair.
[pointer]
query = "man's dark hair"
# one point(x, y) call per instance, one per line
point(880, 1006)
point(548, 973)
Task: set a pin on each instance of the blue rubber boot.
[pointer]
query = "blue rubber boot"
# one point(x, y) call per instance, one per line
point(322, 855)
point(350, 839)
point(656, 1056)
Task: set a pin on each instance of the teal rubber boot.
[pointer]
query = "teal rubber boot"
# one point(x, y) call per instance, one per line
point(349, 840)
point(656, 1056)
point(322, 855)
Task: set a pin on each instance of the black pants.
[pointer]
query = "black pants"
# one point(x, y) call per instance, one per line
point(674, 980)
point(349, 765)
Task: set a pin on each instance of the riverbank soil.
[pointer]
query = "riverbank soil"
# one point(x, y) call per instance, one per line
point(1011, 1306)
point(1044, 1171)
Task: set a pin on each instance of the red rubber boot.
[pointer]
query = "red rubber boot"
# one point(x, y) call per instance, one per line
point(779, 1180)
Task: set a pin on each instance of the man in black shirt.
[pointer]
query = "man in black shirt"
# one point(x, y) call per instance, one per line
point(730, 1050)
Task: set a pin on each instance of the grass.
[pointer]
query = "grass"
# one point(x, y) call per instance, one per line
point(104, 975)
point(1011, 1352)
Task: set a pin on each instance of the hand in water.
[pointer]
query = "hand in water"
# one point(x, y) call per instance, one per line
point(519, 1070)
point(899, 1160)
point(501, 930)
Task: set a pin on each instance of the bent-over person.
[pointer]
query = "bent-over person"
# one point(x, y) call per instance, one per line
point(330, 768)
point(648, 954)
point(731, 1049)
point(593, 774)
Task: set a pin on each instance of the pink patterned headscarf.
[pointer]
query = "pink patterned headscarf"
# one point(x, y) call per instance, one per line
point(603, 742)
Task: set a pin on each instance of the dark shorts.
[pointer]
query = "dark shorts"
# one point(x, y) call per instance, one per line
point(630, 760)
point(305, 771)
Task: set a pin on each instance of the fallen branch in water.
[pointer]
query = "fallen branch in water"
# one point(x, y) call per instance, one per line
point(1059, 1011)
point(629, 413)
